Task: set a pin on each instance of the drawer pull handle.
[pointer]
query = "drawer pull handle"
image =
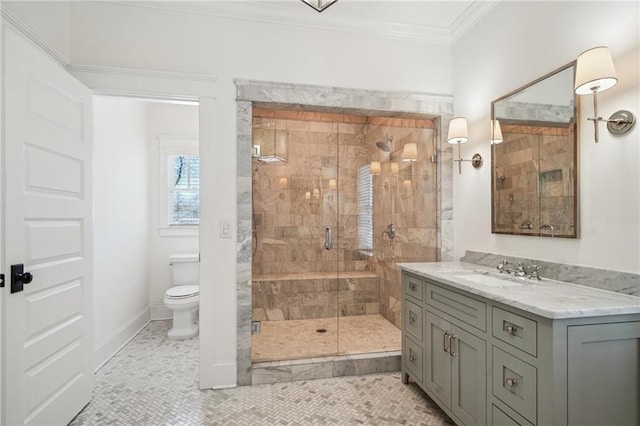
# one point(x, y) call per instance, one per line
point(412, 358)
point(511, 329)
point(510, 383)
point(413, 286)
point(451, 339)
point(445, 340)
point(412, 317)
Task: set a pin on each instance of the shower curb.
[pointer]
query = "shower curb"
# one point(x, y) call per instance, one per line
point(325, 367)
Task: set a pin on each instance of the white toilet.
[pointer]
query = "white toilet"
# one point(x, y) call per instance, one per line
point(184, 297)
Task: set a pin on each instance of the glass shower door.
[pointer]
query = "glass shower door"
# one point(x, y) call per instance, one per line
point(295, 256)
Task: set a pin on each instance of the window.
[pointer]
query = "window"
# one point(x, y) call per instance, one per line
point(365, 209)
point(184, 190)
point(178, 185)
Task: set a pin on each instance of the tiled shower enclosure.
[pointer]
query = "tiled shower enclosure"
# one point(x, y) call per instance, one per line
point(286, 275)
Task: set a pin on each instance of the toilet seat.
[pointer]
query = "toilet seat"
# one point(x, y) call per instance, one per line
point(183, 291)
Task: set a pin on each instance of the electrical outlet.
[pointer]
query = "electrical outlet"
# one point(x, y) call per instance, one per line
point(256, 327)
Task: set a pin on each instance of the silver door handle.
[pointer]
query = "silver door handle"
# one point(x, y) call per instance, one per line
point(445, 340)
point(452, 337)
point(328, 240)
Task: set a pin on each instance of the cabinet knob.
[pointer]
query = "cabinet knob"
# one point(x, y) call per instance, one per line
point(412, 358)
point(413, 286)
point(412, 317)
point(512, 330)
point(510, 383)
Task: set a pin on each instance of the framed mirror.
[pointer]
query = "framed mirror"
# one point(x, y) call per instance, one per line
point(534, 184)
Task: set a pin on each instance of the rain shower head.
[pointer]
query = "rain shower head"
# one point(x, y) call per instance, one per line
point(385, 145)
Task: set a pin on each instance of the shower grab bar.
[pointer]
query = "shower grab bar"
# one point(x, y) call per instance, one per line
point(328, 240)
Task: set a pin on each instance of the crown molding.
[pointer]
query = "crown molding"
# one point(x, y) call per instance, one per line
point(137, 72)
point(470, 17)
point(263, 13)
point(9, 17)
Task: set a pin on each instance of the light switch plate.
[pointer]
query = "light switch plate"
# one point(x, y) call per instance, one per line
point(225, 229)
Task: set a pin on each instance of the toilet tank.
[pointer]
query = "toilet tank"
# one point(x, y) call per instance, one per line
point(185, 269)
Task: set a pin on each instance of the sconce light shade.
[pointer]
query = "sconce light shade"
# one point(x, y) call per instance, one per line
point(333, 183)
point(395, 168)
point(496, 132)
point(458, 132)
point(410, 152)
point(284, 182)
point(595, 71)
point(375, 168)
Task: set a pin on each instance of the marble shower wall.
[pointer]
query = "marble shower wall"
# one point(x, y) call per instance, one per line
point(293, 202)
point(408, 200)
point(534, 180)
point(317, 187)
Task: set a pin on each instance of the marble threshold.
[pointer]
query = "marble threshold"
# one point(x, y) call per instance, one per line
point(325, 367)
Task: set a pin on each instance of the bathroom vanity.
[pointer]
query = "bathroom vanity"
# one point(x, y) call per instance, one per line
point(497, 349)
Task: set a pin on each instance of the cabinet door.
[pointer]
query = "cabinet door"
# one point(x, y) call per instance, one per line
point(468, 377)
point(604, 374)
point(438, 362)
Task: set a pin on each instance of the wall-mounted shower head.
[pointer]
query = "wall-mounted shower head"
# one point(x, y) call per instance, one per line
point(385, 145)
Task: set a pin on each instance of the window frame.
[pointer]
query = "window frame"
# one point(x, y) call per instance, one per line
point(170, 146)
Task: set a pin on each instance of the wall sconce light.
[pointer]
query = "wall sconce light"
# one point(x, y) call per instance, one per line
point(284, 182)
point(459, 134)
point(307, 195)
point(316, 193)
point(595, 73)
point(333, 183)
point(395, 168)
point(410, 152)
point(319, 5)
point(496, 132)
point(375, 168)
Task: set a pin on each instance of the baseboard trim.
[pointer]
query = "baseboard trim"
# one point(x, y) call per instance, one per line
point(111, 345)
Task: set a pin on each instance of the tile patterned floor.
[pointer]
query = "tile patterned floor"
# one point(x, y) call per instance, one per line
point(153, 381)
point(296, 339)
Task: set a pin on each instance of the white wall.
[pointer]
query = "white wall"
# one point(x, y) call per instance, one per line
point(179, 122)
point(517, 42)
point(121, 217)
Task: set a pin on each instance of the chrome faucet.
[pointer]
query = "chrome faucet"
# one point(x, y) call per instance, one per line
point(505, 267)
point(390, 231)
point(530, 271)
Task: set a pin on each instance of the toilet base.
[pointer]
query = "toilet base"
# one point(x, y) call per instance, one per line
point(183, 333)
point(184, 326)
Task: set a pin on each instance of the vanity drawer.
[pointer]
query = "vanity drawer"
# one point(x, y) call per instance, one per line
point(514, 382)
point(412, 315)
point(500, 418)
point(467, 309)
point(412, 355)
point(413, 286)
point(515, 330)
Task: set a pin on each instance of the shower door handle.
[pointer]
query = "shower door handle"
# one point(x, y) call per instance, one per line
point(328, 240)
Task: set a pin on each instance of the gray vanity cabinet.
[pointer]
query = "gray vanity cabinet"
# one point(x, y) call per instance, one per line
point(597, 395)
point(484, 362)
point(456, 369)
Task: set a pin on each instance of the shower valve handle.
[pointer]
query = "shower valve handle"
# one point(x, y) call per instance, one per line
point(328, 240)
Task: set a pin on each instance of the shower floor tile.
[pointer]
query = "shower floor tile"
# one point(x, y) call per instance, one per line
point(296, 339)
point(153, 381)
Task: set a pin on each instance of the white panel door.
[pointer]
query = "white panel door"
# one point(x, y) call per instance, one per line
point(47, 373)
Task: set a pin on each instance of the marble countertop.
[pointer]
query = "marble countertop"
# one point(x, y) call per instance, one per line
point(546, 298)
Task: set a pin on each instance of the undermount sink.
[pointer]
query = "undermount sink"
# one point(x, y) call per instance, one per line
point(489, 281)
